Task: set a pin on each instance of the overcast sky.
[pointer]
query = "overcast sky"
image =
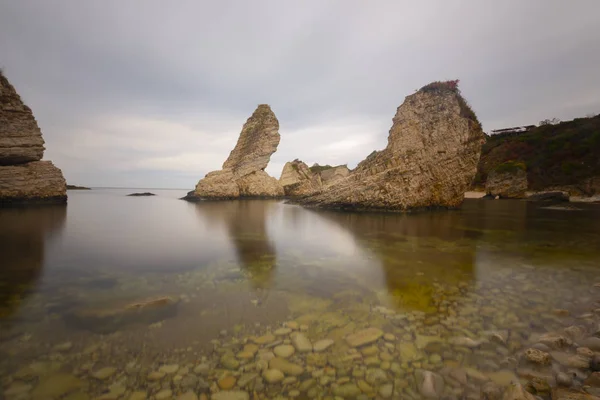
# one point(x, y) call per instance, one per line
point(150, 93)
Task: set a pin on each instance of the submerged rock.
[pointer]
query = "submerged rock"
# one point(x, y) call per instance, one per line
point(243, 172)
point(23, 177)
point(430, 160)
point(516, 392)
point(108, 320)
point(430, 384)
point(363, 337)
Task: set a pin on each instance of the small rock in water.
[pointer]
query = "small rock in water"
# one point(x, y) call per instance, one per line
point(264, 339)
point(537, 356)
point(202, 369)
point(430, 384)
point(465, 342)
point(284, 350)
point(189, 395)
point(156, 375)
point(389, 337)
point(227, 382)
point(301, 342)
point(515, 391)
point(230, 395)
point(104, 373)
point(139, 395)
point(169, 369)
point(282, 331)
point(592, 343)
point(322, 345)
point(563, 379)
point(386, 390)
point(348, 390)
point(163, 394)
point(273, 375)
point(364, 337)
point(286, 367)
point(292, 325)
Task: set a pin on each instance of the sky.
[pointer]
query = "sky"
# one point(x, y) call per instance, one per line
point(148, 93)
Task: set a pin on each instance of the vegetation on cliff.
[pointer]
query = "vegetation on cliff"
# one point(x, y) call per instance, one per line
point(561, 154)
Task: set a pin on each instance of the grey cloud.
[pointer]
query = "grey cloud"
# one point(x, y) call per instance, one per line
point(190, 73)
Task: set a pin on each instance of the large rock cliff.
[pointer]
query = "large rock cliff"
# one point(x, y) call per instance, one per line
point(23, 178)
point(243, 172)
point(430, 160)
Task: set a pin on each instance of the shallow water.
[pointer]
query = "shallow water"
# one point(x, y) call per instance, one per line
point(238, 269)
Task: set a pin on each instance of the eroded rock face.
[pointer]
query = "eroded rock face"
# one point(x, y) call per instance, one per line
point(430, 160)
point(33, 182)
point(243, 172)
point(20, 137)
point(510, 184)
point(298, 180)
point(23, 178)
point(334, 173)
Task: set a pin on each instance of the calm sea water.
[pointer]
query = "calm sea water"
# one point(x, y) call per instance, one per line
point(237, 269)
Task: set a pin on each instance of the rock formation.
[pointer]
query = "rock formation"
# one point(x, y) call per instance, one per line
point(299, 180)
point(23, 177)
point(430, 160)
point(330, 175)
point(243, 172)
point(508, 181)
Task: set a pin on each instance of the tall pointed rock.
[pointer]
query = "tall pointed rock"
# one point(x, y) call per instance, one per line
point(243, 173)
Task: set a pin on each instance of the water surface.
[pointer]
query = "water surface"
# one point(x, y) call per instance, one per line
point(238, 269)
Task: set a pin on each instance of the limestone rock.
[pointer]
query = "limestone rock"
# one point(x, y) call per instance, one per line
point(33, 182)
point(298, 180)
point(330, 175)
point(508, 181)
point(23, 178)
point(430, 159)
point(20, 137)
point(243, 172)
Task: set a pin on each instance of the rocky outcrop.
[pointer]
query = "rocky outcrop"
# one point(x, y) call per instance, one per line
point(333, 174)
point(20, 137)
point(430, 160)
point(243, 172)
point(298, 180)
point(33, 182)
point(508, 181)
point(23, 177)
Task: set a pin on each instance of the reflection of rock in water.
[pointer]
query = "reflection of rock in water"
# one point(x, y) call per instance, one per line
point(23, 233)
point(245, 221)
point(416, 251)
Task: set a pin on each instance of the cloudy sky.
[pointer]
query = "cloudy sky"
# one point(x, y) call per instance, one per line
point(149, 93)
